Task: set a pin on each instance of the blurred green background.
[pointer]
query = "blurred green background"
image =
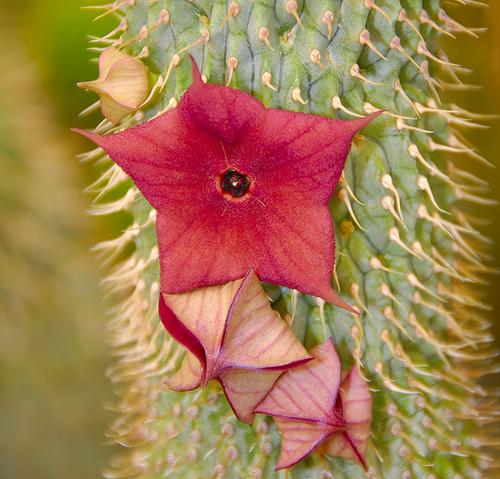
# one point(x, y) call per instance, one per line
point(53, 355)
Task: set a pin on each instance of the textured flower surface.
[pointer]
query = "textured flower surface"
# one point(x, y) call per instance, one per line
point(122, 84)
point(312, 409)
point(232, 334)
point(237, 187)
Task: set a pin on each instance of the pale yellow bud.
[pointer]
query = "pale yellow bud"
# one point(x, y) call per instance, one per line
point(122, 85)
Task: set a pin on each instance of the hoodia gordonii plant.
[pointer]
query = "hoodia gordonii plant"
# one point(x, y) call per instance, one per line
point(406, 319)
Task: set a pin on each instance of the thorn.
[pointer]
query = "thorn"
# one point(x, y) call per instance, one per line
point(423, 333)
point(337, 105)
point(354, 72)
point(423, 50)
point(396, 44)
point(369, 108)
point(357, 298)
point(435, 219)
point(424, 69)
point(399, 88)
point(95, 106)
point(233, 10)
point(115, 6)
point(443, 267)
point(423, 185)
point(379, 369)
point(156, 87)
point(424, 18)
point(119, 205)
point(315, 57)
point(433, 146)
point(264, 37)
point(454, 25)
point(291, 8)
point(415, 153)
point(204, 38)
point(386, 291)
point(122, 27)
point(375, 263)
point(344, 182)
point(174, 61)
point(403, 17)
point(365, 39)
point(451, 323)
point(144, 53)
point(387, 203)
point(297, 96)
point(462, 298)
point(327, 18)
point(356, 334)
point(343, 196)
point(394, 236)
point(232, 64)
point(371, 4)
point(388, 184)
point(401, 125)
point(479, 200)
point(266, 79)
point(415, 282)
point(388, 313)
point(321, 305)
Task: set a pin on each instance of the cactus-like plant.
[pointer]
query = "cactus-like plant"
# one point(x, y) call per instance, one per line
point(407, 256)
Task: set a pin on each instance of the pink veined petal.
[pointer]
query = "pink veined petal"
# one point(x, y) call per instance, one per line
point(180, 332)
point(298, 440)
point(356, 405)
point(169, 159)
point(223, 112)
point(256, 337)
point(307, 393)
point(188, 376)
point(232, 334)
point(244, 389)
point(204, 313)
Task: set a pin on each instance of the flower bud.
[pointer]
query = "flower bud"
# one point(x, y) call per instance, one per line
point(122, 84)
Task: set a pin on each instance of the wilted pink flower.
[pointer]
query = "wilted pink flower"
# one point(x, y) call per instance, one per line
point(312, 409)
point(233, 335)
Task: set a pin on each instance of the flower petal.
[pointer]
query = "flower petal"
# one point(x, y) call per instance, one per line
point(221, 111)
point(188, 376)
point(299, 245)
point(256, 337)
point(244, 389)
point(307, 393)
point(302, 152)
point(298, 440)
point(200, 248)
point(356, 405)
point(203, 314)
point(170, 160)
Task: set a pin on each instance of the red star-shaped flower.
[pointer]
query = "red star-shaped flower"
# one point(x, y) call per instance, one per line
point(313, 410)
point(232, 334)
point(238, 186)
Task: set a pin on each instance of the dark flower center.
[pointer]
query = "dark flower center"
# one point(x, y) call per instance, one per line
point(235, 183)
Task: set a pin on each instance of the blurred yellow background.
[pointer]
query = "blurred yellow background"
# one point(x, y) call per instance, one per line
point(52, 318)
